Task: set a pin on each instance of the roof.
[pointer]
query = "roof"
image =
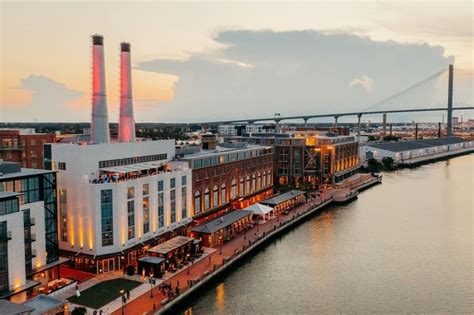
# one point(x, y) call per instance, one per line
point(221, 222)
point(259, 209)
point(43, 303)
point(221, 150)
point(170, 245)
point(400, 146)
point(151, 260)
point(9, 308)
point(25, 172)
point(133, 167)
point(7, 194)
point(283, 197)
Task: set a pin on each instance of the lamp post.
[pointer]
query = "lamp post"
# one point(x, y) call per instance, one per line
point(122, 293)
point(152, 284)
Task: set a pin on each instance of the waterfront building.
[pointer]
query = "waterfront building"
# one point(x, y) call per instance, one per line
point(285, 201)
point(416, 151)
point(118, 199)
point(24, 146)
point(29, 260)
point(308, 156)
point(228, 176)
point(222, 229)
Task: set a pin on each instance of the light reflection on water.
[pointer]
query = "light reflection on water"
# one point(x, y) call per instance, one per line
point(403, 246)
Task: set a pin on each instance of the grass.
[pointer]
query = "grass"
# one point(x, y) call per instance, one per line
point(103, 293)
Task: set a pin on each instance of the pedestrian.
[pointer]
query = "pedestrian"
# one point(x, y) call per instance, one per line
point(128, 295)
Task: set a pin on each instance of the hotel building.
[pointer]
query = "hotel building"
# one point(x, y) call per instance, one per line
point(29, 258)
point(228, 176)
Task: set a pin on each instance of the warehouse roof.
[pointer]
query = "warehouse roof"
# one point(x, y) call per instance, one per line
point(221, 222)
point(416, 144)
point(283, 197)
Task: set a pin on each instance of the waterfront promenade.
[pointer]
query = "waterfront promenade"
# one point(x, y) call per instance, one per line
point(215, 260)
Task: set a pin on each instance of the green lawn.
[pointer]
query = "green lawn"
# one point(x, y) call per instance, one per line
point(103, 293)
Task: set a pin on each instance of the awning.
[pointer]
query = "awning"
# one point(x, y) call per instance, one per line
point(259, 209)
point(131, 167)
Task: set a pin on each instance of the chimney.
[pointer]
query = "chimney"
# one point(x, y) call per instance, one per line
point(100, 120)
point(126, 121)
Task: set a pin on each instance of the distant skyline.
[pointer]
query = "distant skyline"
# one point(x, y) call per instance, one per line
point(201, 61)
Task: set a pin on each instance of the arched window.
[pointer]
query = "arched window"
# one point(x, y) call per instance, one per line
point(233, 189)
point(259, 181)
point(247, 185)
point(197, 201)
point(215, 196)
point(207, 197)
point(241, 187)
point(269, 177)
point(223, 194)
point(264, 176)
point(253, 183)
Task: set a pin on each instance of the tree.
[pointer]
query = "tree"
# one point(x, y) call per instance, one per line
point(373, 165)
point(79, 311)
point(390, 138)
point(371, 138)
point(388, 163)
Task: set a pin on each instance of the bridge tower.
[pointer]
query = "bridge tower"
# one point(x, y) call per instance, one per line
point(450, 102)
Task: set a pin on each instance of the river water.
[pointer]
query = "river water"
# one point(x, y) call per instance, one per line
point(403, 246)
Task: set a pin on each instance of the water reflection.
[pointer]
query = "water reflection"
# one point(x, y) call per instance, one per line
point(405, 246)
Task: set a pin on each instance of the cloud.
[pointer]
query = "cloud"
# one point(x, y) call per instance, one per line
point(50, 100)
point(364, 81)
point(291, 72)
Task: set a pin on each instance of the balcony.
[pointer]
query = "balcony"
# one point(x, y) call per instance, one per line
point(30, 222)
point(4, 237)
point(30, 238)
point(31, 254)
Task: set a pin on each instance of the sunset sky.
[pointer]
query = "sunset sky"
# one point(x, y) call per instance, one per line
point(200, 61)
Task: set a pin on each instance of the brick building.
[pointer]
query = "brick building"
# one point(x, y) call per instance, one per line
point(24, 146)
point(228, 177)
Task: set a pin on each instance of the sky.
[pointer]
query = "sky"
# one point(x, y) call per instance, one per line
point(202, 61)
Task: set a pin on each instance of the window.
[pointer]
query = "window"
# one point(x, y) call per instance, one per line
point(197, 202)
point(247, 186)
point(131, 212)
point(161, 210)
point(173, 205)
point(106, 217)
point(183, 180)
point(146, 214)
point(253, 183)
point(184, 206)
point(146, 189)
point(160, 185)
point(241, 187)
point(223, 194)
point(133, 160)
point(264, 177)
point(259, 181)
point(215, 196)
point(172, 183)
point(9, 206)
point(269, 178)
point(207, 197)
point(62, 166)
point(233, 189)
point(63, 214)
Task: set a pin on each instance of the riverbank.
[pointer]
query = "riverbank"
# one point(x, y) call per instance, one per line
point(200, 274)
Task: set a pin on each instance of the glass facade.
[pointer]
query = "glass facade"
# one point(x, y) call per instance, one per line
point(106, 210)
point(161, 210)
point(8, 206)
point(131, 212)
point(132, 160)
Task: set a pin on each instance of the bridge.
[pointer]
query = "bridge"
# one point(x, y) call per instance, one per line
point(371, 109)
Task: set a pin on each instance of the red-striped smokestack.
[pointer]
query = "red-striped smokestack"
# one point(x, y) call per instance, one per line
point(126, 121)
point(100, 119)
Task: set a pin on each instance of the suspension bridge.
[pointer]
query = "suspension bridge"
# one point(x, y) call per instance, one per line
point(386, 106)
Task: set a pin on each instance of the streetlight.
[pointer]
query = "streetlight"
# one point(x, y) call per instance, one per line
point(122, 293)
point(152, 284)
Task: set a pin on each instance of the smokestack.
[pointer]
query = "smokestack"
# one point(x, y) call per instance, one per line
point(100, 119)
point(126, 121)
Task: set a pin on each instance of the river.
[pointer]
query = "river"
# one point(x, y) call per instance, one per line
point(403, 246)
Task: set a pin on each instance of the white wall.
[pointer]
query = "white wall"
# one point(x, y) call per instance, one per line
point(16, 250)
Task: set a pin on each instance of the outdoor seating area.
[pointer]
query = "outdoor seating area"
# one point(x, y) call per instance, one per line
point(222, 229)
point(285, 201)
point(170, 255)
point(129, 172)
point(261, 213)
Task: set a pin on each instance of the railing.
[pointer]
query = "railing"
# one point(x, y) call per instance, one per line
point(29, 222)
point(6, 236)
point(107, 179)
point(30, 238)
point(31, 254)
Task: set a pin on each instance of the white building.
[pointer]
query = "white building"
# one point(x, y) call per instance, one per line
point(28, 231)
point(116, 199)
point(410, 152)
point(227, 130)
